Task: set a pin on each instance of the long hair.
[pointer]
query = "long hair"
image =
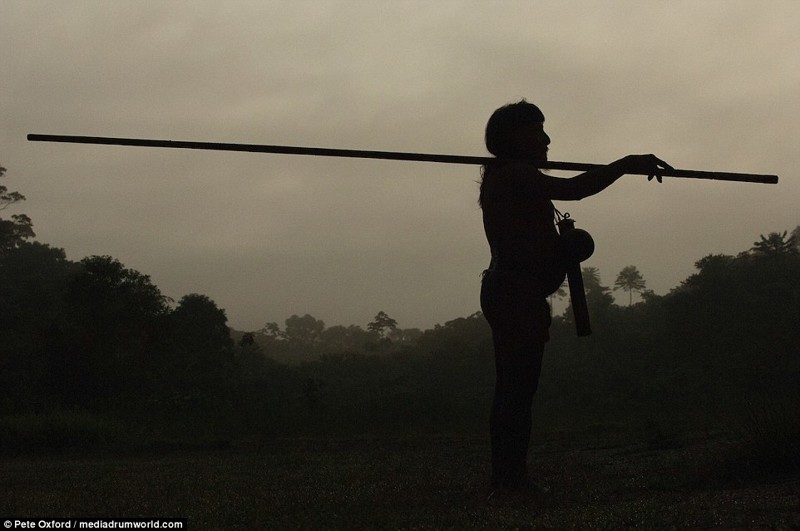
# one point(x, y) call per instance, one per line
point(500, 130)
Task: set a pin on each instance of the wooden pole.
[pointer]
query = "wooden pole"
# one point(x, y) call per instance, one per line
point(383, 155)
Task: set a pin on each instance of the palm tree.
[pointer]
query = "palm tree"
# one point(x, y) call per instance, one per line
point(775, 244)
point(597, 295)
point(630, 280)
point(560, 292)
point(591, 277)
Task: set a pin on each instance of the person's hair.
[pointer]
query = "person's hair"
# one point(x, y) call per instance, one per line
point(504, 124)
point(500, 130)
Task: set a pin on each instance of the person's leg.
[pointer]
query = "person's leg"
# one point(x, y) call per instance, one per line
point(518, 369)
point(519, 323)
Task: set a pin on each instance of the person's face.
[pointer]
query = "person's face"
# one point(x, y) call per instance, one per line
point(532, 141)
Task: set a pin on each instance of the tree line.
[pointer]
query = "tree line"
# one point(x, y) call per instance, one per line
point(96, 337)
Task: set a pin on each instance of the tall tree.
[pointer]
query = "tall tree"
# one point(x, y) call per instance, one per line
point(775, 244)
point(107, 292)
point(200, 367)
point(33, 277)
point(272, 330)
point(14, 231)
point(113, 316)
point(560, 293)
point(591, 277)
point(382, 324)
point(305, 330)
point(201, 326)
point(796, 237)
point(337, 339)
point(630, 280)
point(597, 296)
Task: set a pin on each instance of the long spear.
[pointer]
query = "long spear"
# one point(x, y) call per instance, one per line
point(384, 155)
point(577, 294)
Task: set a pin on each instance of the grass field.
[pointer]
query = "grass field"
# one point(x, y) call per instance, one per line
point(407, 483)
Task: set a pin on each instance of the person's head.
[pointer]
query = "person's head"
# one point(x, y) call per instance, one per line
point(515, 131)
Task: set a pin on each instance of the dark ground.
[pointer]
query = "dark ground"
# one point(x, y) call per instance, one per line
point(411, 483)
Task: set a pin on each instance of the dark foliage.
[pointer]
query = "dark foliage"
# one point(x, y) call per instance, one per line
point(98, 338)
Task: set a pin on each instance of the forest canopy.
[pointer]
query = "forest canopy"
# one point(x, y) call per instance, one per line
point(99, 338)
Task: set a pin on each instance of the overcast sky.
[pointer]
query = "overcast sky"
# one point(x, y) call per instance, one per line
point(711, 85)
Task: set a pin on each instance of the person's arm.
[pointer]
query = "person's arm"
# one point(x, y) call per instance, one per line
point(598, 179)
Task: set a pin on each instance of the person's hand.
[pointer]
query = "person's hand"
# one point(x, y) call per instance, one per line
point(649, 165)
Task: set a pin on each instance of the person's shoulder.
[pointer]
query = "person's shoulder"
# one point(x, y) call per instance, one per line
point(517, 174)
point(513, 183)
point(518, 168)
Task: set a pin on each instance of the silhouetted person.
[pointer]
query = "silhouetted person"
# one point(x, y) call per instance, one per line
point(526, 267)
